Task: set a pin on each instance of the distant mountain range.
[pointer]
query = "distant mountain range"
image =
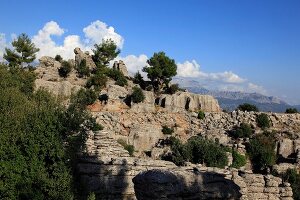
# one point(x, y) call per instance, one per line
point(231, 100)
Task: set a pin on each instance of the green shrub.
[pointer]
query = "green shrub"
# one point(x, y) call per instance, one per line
point(179, 152)
point(167, 131)
point(291, 110)
point(243, 131)
point(58, 58)
point(247, 107)
point(84, 97)
point(137, 95)
point(172, 89)
point(263, 121)
point(261, 150)
point(82, 69)
point(65, 69)
point(91, 196)
point(98, 80)
point(138, 79)
point(207, 151)
point(201, 114)
point(293, 177)
point(238, 160)
point(117, 76)
point(127, 147)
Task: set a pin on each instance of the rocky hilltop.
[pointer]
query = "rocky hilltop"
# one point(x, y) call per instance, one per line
point(107, 169)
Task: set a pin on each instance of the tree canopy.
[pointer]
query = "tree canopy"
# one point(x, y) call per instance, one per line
point(105, 52)
point(161, 69)
point(23, 53)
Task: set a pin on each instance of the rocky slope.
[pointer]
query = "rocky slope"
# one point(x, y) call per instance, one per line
point(108, 170)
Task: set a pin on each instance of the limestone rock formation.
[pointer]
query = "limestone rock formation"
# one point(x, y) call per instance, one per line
point(188, 101)
point(48, 69)
point(121, 67)
point(80, 55)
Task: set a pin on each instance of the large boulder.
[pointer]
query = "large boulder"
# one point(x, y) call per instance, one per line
point(48, 69)
point(188, 101)
point(183, 184)
point(286, 147)
point(59, 89)
point(121, 67)
point(80, 56)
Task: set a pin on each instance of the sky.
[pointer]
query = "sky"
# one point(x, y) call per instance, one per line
point(234, 45)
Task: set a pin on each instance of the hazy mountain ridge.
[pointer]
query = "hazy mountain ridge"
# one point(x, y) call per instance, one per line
point(229, 100)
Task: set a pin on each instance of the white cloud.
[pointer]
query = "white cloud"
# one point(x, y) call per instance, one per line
point(191, 69)
point(97, 31)
point(94, 33)
point(135, 63)
point(256, 88)
point(2, 45)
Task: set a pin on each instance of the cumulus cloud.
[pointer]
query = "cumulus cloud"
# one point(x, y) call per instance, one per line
point(2, 45)
point(135, 63)
point(94, 33)
point(192, 69)
point(256, 88)
point(97, 31)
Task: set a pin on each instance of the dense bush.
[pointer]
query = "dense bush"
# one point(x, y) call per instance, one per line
point(197, 150)
point(261, 150)
point(137, 95)
point(201, 114)
point(39, 141)
point(291, 110)
point(172, 89)
point(242, 131)
point(58, 58)
point(82, 69)
point(98, 80)
point(238, 160)
point(167, 131)
point(117, 76)
point(84, 97)
point(263, 121)
point(247, 107)
point(138, 79)
point(65, 69)
point(127, 147)
point(293, 177)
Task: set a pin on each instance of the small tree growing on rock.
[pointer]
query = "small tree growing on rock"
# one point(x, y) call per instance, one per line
point(247, 107)
point(161, 70)
point(263, 121)
point(65, 69)
point(105, 52)
point(137, 95)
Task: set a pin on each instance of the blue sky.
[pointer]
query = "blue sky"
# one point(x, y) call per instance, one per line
point(246, 45)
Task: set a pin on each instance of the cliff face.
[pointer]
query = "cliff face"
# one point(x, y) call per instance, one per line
point(107, 170)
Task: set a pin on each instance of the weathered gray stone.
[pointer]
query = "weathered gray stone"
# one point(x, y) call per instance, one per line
point(121, 67)
point(286, 147)
point(80, 56)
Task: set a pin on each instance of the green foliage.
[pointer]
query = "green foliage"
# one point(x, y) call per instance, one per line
point(137, 95)
point(117, 76)
point(291, 110)
point(238, 160)
point(39, 141)
point(17, 78)
point(207, 151)
point(83, 69)
point(105, 52)
point(201, 114)
point(84, 97)
point(167, 131)
point(261, 150)
point(247, 107)
point(65, 69)
point(91, 196)
point(173, 89)
point(127, 147)
point(23, 53)
point(98, 80)
point(161, 70)
point(58, 58)
point(197, 150)
point(263, 121)
point(138, 79)
point(243, 131)
point(293, 177)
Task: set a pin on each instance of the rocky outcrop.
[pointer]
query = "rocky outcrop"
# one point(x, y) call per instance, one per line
point(48, 69)
point(208, 183)
point(188, 101)
point(120, 66)
point(184, 184)
point(80, 56)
